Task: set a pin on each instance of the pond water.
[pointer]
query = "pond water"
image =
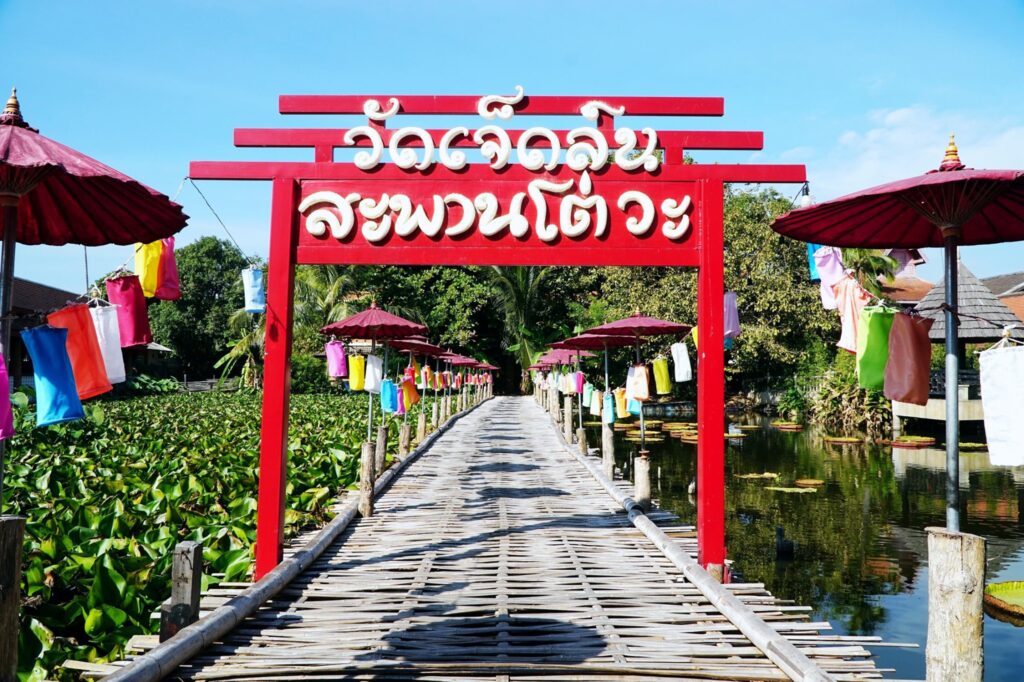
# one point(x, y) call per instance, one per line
point(860, 555)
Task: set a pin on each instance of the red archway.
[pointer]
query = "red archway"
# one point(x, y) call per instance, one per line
point(592, 195)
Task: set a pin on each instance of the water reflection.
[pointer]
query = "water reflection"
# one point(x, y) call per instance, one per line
point(859, 548)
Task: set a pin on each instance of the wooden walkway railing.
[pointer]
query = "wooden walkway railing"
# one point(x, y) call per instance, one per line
point(500, 554)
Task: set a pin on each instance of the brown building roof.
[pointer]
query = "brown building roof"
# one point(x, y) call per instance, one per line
point(1015, 304)
point(33, 297)
point(1001, 285)
point(906, 289)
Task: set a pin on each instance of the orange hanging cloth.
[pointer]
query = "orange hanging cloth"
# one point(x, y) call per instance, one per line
point(83, 349)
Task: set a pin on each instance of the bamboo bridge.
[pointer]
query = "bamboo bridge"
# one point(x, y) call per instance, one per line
point(497, 552)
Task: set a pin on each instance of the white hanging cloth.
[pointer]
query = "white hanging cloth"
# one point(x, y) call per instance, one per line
point(1002, 399)
point(374, 374)
point(681, 362)
point(104, 320)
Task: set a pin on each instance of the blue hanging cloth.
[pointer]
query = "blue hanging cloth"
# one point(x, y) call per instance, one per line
point(56, 394)
point(634, 407)
point(811, 248)
point(388, 396)
point(608, 413)
point(255, 294)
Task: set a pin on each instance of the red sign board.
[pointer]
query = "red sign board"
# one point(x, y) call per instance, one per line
point(487, 193)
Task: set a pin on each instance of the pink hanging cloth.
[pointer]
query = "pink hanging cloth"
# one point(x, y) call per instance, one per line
point(851, 299)
point(732, 316)
point(829, 261)
point(6, 414)
point(580, 381)
point(337, 363)
point(168, 286)
point(132, 316)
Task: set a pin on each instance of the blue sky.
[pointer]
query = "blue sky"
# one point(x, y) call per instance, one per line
point(862, 92)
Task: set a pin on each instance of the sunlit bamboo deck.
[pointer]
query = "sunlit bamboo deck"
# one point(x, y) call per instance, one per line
point(497, 556)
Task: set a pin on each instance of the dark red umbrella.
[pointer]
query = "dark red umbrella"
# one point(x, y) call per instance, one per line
point(596, 342)
point(415, 344)
point(947, 207)
point(52, 194)
point(374, 324)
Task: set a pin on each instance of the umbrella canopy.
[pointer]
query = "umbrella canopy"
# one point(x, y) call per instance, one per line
point(416, 344)
point(640, 325)
point(488, 366)
point(594, 342)
point(982, 316)
point(67, 197)
point(374, 323)
point(986, 205)
point(563, 356)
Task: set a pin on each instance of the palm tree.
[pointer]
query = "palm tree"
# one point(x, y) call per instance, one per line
point(871, 266)
point(518, 293)
point(246, 351)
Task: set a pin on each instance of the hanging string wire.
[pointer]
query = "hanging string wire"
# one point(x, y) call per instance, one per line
point(215, 215)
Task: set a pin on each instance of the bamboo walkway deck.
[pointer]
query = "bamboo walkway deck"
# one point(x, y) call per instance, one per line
point(497, 556)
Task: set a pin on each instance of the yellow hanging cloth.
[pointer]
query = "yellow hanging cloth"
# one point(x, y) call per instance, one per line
point(620, 403)
point(356, 372)
point(695, 346)
point(409, 393)
point(147, 266)
point(662, 383)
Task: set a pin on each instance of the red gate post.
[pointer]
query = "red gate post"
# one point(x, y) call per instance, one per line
point(277, 369)
point(711, 385)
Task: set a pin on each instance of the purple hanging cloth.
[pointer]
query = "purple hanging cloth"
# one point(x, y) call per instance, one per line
point(337, 364)
point(829, 260)
point(731, 327)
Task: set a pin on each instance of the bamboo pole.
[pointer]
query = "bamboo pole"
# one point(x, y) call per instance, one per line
point(381, 448)
point(366, 480)
point(12, 537)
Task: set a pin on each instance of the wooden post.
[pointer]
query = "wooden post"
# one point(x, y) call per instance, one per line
point(608, 450)
point(956, 586)
point(421, 427)
point(381, 451)
point(404, 439)
point(366, 480)
point(581, 438)
point(567, 418)
point(12, 537)
point(182, 609)
point(642, 481)
point(433, 416)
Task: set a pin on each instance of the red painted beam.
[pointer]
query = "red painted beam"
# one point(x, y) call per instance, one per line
point(334, 137)
point(531, 105)
point(269, 170)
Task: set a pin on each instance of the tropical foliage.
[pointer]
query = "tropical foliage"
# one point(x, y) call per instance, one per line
point(107, 498)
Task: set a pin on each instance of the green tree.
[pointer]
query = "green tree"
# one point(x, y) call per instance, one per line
point(518, 291)
point(196, 326)
point(246, 352)
point(871, 268)
point(323, 294)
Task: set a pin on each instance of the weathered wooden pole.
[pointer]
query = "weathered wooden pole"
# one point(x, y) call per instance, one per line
point(608, 450)
point(421, 427)
point(434, 415)
point(567, 418)
point(404, 439)
point(182, 609)
point(956, 586)
point(366, 480)
point(581, 438)
point(381, 451)
point(12, 536)
point(642, 480)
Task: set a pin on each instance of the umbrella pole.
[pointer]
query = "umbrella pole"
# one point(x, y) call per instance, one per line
point(580, 396)
point(643, 428)
point(10, 217)
point(369, 414)
point(952, 389)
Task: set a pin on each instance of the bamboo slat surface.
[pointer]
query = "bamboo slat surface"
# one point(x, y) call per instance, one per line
point(496, 556)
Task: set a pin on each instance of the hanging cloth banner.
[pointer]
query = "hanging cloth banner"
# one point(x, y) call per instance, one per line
point(374, 374)
point(681, 362)
point(588, 392)
point(581, 382)
point(662, 384)
point(634, 407)
point(811, 250)
point(356, 372)
point(641, 384)
point(908, 370)
point(168, 283)
point(410, 396)
point(83, 349)
point(6, 413)
point(132, 320)
point(621, 402)
point(873, 346)
point(104, 320)
point(56, 396)
point(851, 299)
point(829, 261)
point(732, 316)
point(388, 396)
point(337, 365)
point(693, 333)
point(608, 411)
point(596, 401)
point(147, 266)
point(1002, 394)
point(252, 287)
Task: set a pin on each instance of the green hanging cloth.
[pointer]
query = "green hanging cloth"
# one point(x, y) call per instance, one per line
point(873, 346)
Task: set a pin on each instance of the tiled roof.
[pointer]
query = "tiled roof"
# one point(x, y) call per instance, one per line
point(1003, 284)
point(34, 297)
point(1015, 304)
point(906, 289)
point(975, 299)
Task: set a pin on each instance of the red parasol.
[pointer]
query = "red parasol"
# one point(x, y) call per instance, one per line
point(594, 342)
point(374, 323)
point(637, 325)
point(946, 207)
point(416, 344)
point(52, 194)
